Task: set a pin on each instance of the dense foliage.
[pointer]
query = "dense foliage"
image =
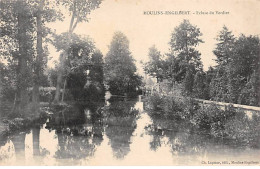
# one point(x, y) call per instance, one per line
point(236, 75)
point(210, 119)
point(23, 46)
point(25, 39)
point(120, 70)
point(234, 79)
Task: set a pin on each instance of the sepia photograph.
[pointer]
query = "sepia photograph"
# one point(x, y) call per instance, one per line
point(129, 83)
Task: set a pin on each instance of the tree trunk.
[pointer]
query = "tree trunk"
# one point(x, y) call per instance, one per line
point(258, 81)
point(22, 83)
point(1, 86)
point(39, 58)
point(59, 79)
point(63, 57)
point(61, 71)
point(64, 87)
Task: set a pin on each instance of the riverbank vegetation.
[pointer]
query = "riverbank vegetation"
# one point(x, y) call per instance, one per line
point(227, 123)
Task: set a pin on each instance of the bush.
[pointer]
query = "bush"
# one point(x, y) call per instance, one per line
point(155, 102)
point(243, 129)
point(173, 107)
point(228, 123)
point(212, 118)
point(178, 108)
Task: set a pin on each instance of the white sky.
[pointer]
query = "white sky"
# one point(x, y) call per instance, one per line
point(145, 30)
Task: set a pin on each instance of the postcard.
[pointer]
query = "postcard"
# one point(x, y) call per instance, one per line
point(129, 83)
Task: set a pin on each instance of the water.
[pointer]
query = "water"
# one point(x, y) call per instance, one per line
point(118, 132)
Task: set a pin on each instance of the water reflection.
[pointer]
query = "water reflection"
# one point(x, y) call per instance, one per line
point(116, 131)
point(19, 145)
point(81, 132)
point(190, 146)
point(36, 140)
point(120, 124)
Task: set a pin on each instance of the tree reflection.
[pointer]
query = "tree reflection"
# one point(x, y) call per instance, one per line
point(19, 145)
point(156, 142)
point(120, 118)
point(181, 136)
point(160, 127)
point(80, 132)
point(36, 140)
point(75, 147)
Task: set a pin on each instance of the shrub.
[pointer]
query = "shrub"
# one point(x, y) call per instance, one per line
point(202, 118)
point(191, 106)
point(19, 124)
point(212, 118)
point(171, 106)
point(155, 102)
point(243, 129)
point(178, 108)
point(228, 123)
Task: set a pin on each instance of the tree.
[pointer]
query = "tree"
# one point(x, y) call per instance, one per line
point(78, 10)
point(250, 92)
point(200, 88)
point(39, 58)
point(210, 74)
point(237, 59)
point(17, 27)
point(44, 11)
point(221, 84)
point(156, 65)
point(20, 20)
point(81, 57)
point(87, 87)
point(95, 83)
point(119, 66)
point(8, 81)
point(245, 70)
point(1, 80)
point(184, 59)
point(183, 43)
point(96, 73)
point(188, 82)
point(172, 68)
point(218, 86)
point(237, 69)
point(224, 47)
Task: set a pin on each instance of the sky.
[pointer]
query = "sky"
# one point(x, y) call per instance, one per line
point(143, 31)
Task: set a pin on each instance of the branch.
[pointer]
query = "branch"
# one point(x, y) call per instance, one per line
point(77, 21)
point(74, 26)
point(73, 16)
